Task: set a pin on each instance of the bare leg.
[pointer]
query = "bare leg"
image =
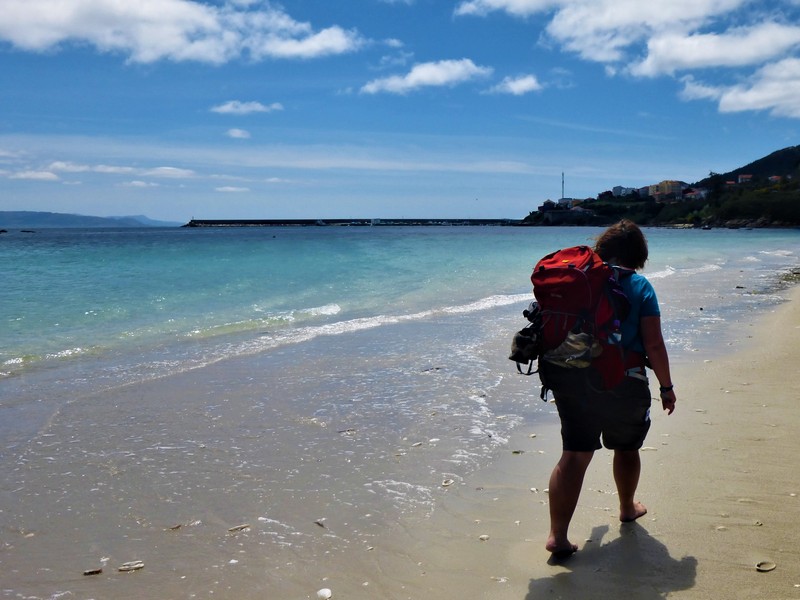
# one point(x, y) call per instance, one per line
point(627, 467)
point(566, 482)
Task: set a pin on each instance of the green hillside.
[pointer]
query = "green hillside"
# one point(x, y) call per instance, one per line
point(766, 195)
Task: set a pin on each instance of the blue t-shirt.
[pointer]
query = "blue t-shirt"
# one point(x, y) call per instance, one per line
point(644, 303)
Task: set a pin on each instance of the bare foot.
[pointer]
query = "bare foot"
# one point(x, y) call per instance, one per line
point(628, 516)
point(560, 550)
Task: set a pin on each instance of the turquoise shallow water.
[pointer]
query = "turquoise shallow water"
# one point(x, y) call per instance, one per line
point(76, 293)
point(276, 376)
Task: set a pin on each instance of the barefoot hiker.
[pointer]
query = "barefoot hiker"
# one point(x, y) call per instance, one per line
point(620, 415)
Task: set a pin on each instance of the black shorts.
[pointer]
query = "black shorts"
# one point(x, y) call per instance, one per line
point(587, 411)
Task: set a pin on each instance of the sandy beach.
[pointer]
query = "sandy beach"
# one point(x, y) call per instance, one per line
point(719, 478)
point(399, 455)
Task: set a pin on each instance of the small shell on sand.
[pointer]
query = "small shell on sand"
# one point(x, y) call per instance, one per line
point(448, 482)
point(483, 537)
point(764, 566)
point(88, 572)
point(324, 594)
point(133, 565)
point(416, 444)
point(241, 527)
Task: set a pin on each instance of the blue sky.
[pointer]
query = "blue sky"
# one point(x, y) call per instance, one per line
point(382, 108)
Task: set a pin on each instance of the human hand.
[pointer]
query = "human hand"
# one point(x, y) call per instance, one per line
point(668, 400)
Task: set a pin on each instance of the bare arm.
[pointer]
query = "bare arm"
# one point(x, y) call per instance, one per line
point(656, 352)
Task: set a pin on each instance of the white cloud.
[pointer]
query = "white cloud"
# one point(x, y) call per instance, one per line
point(774, 88)
point(178, 30)
point(35, 175)
point(231, 189)
point(236, 107)
point(71, 167)
point(140, 184)
point(333, 40)
point(692, 90)
point(238, 134)
point(399, 59)
point(753, 48)
point(743, 46)
point(430, 74)
point(521, 8)
point(169, 173)
point(517, 86)
point(605, 30)
point(112, 170)
point(9, 154)
point(68, 167)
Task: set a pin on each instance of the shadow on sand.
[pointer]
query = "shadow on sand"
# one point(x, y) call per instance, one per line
point(635, 566)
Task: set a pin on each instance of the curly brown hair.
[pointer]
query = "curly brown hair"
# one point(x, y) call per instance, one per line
point(623, 244)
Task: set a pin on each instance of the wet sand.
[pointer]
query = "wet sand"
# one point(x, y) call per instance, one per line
point(719, 478)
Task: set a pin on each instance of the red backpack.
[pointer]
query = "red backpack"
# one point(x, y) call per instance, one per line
point(582, 306)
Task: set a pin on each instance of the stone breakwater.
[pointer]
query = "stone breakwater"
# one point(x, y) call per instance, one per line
point(347, 222)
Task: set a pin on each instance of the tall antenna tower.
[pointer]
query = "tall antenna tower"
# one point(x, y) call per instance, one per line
point(562, 184)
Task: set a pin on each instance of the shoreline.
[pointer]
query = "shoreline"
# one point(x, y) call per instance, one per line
point(718, 478)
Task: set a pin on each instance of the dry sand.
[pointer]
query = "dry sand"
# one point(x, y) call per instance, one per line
point(720, 478)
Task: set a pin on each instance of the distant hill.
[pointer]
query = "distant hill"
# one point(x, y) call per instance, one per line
point(781, 162)
point(769, 197)
point(23, 219)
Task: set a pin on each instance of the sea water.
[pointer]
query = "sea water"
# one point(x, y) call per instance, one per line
point(314, 383)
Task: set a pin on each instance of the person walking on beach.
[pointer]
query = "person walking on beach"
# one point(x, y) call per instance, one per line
point(621, 415)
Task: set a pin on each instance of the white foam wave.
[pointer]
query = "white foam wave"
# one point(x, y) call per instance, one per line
point(667, 272)
point(67, 353)
point(404, 495)
point(307, 333)
point(487, 303)
point(298, 335)
point(700, 270)
point(670, 271)
point(777, 252)
point(327, 310)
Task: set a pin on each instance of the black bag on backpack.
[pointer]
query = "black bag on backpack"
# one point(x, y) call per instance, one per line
point(526, 346)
